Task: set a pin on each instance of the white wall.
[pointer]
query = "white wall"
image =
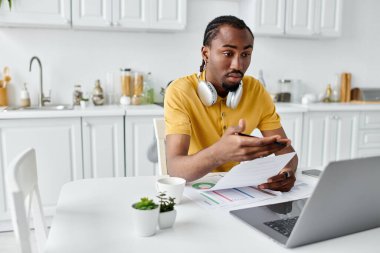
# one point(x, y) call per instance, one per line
point(72, 56)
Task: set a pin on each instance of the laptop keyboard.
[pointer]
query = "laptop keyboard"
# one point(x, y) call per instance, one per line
point(283, 226)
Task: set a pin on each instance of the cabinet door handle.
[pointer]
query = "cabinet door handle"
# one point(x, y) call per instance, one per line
point(85, 123)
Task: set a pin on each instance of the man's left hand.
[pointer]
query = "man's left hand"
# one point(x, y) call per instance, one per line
point(284, 181)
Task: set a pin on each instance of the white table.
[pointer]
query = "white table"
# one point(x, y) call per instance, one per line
point(94, 215)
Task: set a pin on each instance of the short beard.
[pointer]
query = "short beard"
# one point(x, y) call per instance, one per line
point(231, 87)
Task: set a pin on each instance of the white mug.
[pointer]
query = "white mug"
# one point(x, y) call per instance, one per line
point(172, 186)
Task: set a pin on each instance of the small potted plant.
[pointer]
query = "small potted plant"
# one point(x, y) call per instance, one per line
point(168, 214)
point(145, 216)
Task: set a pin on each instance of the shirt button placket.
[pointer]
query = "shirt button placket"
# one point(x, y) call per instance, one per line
point(223, 121)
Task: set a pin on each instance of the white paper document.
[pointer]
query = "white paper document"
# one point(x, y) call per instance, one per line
point(226, 198)
point(251, 173)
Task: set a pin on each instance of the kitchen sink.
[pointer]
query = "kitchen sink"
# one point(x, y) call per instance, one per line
point(52, 107)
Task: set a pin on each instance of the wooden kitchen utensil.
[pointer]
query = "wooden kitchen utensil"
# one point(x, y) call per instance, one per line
point(3, 97)
point(348, 87)
point(343, 88)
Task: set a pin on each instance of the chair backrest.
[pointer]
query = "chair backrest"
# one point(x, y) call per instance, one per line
point(159, 129)
point(25, 201)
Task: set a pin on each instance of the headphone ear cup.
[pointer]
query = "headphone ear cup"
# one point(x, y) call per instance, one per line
point(207, 93)
point(233, 98)
point(229, 99)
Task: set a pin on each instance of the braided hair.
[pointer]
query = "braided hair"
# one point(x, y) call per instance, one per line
point(212, 30)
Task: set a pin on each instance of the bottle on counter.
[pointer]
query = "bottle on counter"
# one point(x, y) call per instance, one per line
point(24, 97)
point(98, 94)
point(138, 86)
point(335, 95)
point(328, 93)
point(77, 94)
point(148, 89)
point(125, 80)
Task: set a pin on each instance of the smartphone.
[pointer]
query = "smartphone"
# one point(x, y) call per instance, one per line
point(277, 143)
point(312, 173)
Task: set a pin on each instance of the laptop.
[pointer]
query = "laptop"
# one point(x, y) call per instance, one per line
point(344, 201)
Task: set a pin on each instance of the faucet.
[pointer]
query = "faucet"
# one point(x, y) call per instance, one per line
point(42, 99)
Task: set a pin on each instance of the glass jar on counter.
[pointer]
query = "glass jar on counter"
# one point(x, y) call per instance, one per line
point(77, 94)
point(148, 89)
point(138, 86)
point(126, 79)
point(285, 89)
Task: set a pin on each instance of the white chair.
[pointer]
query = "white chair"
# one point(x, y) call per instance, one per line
point(25, 201)
point(159, 129)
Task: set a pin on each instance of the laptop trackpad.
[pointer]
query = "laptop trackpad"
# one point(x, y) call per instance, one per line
point(275, 220)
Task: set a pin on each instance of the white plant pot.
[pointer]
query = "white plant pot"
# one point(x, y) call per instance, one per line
point(167, 219)
point(145, 221)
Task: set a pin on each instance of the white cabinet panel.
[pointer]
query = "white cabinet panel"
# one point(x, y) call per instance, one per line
point(103, 146)
point(55, 13)
point(329, 18)
point(315, 137)
point(329, 137)
point(369, 134)
point(293, 18)
point(168, 14)
point(139, 135)
point(292, 124)
point(96, 13)
point(131, 13)
point(264, 16)
point(300, 17)
point(58, 149)
point(370, 120)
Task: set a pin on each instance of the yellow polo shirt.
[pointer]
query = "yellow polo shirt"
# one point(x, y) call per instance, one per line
point(186, 114)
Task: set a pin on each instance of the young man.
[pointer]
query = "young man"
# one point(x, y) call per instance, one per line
point(206, 112)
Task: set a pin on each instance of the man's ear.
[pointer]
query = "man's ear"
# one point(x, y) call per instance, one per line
point(205, 53)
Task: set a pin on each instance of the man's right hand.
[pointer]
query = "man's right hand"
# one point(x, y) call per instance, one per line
point(234, 147)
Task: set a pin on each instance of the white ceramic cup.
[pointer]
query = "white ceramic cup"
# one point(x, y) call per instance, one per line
point(172, 186)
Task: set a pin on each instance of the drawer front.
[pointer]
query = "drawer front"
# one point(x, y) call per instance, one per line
point(369, 138)
point(368, 152)
point(370, 120)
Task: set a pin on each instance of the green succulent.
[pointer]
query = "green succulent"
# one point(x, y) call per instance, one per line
point(145, 204)
point(9, 2)
point(166, 203)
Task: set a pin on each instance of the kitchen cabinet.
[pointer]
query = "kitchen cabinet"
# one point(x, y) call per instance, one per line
point(92, 13)
point(58, 145)
point(292, 124)
point(103, 146)
point(369, 134)
point(329, 136)
point(130, 14)
point(139, 136)
point(41, 13)
point(293, 18)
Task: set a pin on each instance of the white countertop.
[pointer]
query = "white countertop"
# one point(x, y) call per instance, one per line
point(91, 111)
point(155, 110)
